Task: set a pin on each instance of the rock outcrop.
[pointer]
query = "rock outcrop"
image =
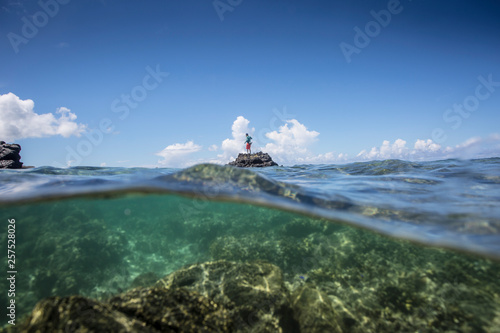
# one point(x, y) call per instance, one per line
point(257, 160)
point(9, 156)
point(141, 310)
point(254, 293)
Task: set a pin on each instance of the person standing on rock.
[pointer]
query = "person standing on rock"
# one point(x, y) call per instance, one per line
point(248, 143)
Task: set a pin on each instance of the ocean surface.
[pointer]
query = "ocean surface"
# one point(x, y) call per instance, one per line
point(395, 245)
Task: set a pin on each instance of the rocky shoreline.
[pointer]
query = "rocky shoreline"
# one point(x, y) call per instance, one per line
point(257, 160)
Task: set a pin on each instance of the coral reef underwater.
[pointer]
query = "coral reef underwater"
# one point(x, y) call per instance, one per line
point(159, 263)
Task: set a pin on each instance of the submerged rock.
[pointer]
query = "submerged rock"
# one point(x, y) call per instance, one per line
point(139, 310)
point(78, 314)
point(9, 156)
point(259, 159)
point(254, 293)
point(284, 253)
point(218, 296)
point(145, 280)
point(173, 310)
point(314, 311)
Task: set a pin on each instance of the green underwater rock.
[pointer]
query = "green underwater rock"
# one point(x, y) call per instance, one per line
point(148, 310)
point(225, 296)
point(217, 296)
point(254, 293)
point(286, 253)
point(313, 310)
point(310, 276)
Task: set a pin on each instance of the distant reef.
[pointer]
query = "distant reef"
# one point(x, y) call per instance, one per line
point(257, 160)
point(9, 156)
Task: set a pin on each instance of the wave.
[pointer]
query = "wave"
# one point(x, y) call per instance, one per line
point(450, 204)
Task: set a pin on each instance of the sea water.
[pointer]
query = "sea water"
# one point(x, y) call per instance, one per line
point(396, 246)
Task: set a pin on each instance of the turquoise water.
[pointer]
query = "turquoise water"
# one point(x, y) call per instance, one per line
point(396, 246)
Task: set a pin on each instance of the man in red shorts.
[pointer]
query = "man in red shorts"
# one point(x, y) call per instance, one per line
point(248, 143)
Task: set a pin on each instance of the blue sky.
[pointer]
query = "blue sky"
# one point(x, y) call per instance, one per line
point(173, 83)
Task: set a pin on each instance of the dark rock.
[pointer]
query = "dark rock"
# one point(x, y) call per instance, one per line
point(10, 164)
point(79, 314)
point(216, 296)
point(314, 311)
point(259, 159)
point(140, 310)
point(254, 293)
point(145, 280)
point(9, 156)
point(173, 310)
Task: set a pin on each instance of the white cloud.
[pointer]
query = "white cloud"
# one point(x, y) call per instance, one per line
point(290, 143)
point(429, 145)
point(386, 151)
point(428, 150)
point(176, 155)
point(296, 135)
point(478, 147)
point(232, 147)
point(19, 121)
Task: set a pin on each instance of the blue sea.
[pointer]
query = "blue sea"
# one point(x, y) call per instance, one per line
point(392, 245)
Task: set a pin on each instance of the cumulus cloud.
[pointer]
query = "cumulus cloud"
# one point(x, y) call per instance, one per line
point(291, 142)
point(428, 150)
point(429, 145)
point(177, 155)
point(19, 120)
point(296, 135)
point(386, 151)
point(232, 147)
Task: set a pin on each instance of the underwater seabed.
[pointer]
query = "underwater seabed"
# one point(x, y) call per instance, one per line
point(250, 269)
